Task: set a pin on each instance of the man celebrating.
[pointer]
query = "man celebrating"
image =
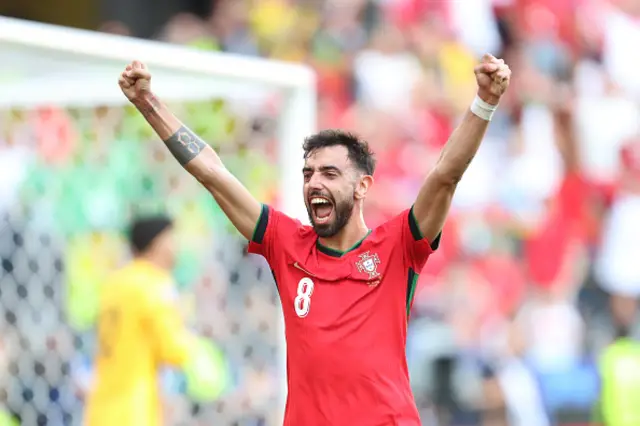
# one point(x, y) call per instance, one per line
point(346, 290)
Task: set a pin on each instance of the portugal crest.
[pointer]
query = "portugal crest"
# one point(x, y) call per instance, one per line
point(368, 263)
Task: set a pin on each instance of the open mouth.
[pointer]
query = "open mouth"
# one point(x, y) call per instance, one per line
point(321, 209)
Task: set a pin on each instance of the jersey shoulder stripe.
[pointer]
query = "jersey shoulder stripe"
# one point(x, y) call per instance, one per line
point(261, 226)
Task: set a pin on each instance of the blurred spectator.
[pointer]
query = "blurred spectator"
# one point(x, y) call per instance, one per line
point(115, 27)
point(618, 265)
point(512, 394)
point(387, 56)
point(190, 30)
point(619, 367)
point(230, 25)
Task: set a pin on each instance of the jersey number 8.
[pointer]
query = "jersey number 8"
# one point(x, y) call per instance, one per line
point(302, 302)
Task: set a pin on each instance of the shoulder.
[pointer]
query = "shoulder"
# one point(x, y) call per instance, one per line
point(273, 220)
point(399, 224)
point(143, 273)
point(385, 240)
point(140, 283)
point(120, 280)
point(275, 232)
point(405, 227)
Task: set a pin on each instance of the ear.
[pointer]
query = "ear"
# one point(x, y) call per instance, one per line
point(362, 187)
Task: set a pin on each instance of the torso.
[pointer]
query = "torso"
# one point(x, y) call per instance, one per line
point(346, 326)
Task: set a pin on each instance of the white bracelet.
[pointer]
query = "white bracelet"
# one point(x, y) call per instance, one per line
point(483, 109)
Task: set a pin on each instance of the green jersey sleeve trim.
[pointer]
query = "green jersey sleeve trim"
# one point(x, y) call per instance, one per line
point(417, 235)
point(261, 226)
point(412, 282)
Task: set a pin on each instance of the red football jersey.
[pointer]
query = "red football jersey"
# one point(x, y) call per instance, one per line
point(346, 320)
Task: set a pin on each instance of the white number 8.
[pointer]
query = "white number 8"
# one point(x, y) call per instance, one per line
point(302, 302)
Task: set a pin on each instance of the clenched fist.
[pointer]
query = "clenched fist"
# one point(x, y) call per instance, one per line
point(135, 81)
point(493, 77)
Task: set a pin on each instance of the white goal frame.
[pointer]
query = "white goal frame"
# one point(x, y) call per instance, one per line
point(57, 71)
point(234, 75)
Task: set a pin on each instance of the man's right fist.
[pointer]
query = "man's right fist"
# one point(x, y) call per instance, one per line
point(135, 81)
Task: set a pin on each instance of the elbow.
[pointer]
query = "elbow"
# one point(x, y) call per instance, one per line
point(207, 168)
point(207, 174)
point(446, 176)
point(451, 166)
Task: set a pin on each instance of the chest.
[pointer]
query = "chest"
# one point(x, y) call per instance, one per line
point(344, 293)
point(319, 302)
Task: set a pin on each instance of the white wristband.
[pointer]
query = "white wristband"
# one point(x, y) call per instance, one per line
point(483, 109)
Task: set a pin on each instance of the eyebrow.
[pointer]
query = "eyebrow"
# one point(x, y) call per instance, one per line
point(307, 169)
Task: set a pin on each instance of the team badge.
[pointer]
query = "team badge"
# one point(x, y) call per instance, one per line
point(369, 264)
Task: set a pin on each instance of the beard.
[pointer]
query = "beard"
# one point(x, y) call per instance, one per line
point(342, 212)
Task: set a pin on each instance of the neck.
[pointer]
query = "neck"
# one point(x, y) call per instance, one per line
point(354, 231)
point(156, 261)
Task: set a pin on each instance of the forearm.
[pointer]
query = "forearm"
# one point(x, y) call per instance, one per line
point(183, 143)
point(434, 199)
point(435, 196)
point(567, 141)
point(204, 164)
point(461, 148)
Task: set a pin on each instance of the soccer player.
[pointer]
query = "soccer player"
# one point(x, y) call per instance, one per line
point(346, 290)
point(140, 329)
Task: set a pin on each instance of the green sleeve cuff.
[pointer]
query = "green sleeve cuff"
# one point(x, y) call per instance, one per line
point(417, 234)
point(261, 226)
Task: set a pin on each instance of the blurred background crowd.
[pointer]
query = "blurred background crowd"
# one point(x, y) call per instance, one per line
point(539, 266)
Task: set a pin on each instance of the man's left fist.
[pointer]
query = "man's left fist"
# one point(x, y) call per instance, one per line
point(493, 77)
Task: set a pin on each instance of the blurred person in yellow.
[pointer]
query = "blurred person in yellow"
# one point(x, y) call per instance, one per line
point(140, 330)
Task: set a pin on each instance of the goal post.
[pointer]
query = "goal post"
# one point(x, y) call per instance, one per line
point(45, 65)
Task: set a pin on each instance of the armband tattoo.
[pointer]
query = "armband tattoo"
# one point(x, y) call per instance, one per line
point(185, 145)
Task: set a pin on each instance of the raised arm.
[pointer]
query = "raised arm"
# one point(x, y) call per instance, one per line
point(192, 153)
point(434, 199)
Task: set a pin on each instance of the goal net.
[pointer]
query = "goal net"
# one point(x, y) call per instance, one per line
point(77, 163)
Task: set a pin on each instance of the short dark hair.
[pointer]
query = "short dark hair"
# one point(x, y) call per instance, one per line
point(359, 152)
point(144, 230)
